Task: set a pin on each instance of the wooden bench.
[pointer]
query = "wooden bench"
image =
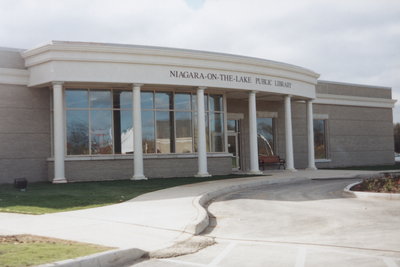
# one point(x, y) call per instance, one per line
point(270, 160)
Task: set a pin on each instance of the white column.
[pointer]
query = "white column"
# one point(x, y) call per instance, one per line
point(288, 134)
point(310, 135)
point(253, 134)
point(201, 135)
point(137, 135)
point(58, 131)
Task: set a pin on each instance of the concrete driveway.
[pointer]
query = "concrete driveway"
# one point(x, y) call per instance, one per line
point(304, 223)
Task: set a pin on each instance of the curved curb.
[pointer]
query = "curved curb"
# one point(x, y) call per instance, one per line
point(359, 194)
point(117, 257)
point(202, 220)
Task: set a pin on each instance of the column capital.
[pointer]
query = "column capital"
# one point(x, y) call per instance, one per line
point(137, 85)
point(57, 83)
point(311, 100)
point(253, 92)
point(202, 88)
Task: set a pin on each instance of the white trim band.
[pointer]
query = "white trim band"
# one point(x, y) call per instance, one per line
point(14, 76)
point(328, 99)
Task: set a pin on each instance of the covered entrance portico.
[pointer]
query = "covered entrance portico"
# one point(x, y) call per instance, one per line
point(214, 84)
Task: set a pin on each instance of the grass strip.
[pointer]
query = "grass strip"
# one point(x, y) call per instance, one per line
point(40, 198)
point(25, 250)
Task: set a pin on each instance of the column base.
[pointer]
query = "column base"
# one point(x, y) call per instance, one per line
point(311, 168)
point(200, 175)
point(59, 181)
point(139, 177)
point(291, 170)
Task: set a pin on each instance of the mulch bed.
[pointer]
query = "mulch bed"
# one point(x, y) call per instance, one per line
point(390, 183)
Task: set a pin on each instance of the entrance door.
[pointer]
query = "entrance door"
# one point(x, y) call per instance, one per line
point(234, 143)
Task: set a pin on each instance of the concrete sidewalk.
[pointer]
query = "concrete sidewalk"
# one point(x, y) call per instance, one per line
point(149, 222)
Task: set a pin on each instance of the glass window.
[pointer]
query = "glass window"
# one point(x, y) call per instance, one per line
point(147, 100)
point(101, 132)
point(76, 98)
point(207, 132)
point(184, 137)
point(148, 136)
point(165, 126)
point(100, 99)
point(205, 102)
point(182, 101)
point(320, 139)
point(163, 101)
point(265, 136)
point(122, 99)
point(77, 132)
point(99, 121)
point(216, 103)
point(216, 133)
point(194, 102)
point(195, 131)
point(123, 132)
point(107, 116)
point(232, 125)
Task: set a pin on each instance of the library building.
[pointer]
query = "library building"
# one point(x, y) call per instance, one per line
point(77, 111)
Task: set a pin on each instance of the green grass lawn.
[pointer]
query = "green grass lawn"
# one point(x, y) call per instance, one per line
point(396, 166)
point(40, 198)
point(19, 251)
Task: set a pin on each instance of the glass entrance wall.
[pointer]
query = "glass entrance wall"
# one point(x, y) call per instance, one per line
point(99, 121)
point(265, 136)
point(234, 142)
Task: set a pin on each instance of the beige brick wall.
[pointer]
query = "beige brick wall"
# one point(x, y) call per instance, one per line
point(24, 133)
point(333, 88)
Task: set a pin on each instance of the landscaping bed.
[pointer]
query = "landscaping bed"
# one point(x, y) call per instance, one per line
point(389, 183)
point(28, 250)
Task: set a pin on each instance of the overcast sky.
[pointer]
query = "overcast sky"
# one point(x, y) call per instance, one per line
point(355, 41)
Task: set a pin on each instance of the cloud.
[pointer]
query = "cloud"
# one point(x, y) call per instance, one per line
point(351, 41)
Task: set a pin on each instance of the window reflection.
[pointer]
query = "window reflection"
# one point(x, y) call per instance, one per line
point(320, 139)
point(232, 125)
point(76, 98)
point(101, 132)
point(77, 132)
point(148, 135)
point(147, 100)
point(184, 137)
point(163, 101)
point(100, 122)
point(216, 126)
point(216, 103)
point(123, 132)
point(100, 99)
point(182, 102)
point(164, 128)
point(265, 136)
point(122, 99)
